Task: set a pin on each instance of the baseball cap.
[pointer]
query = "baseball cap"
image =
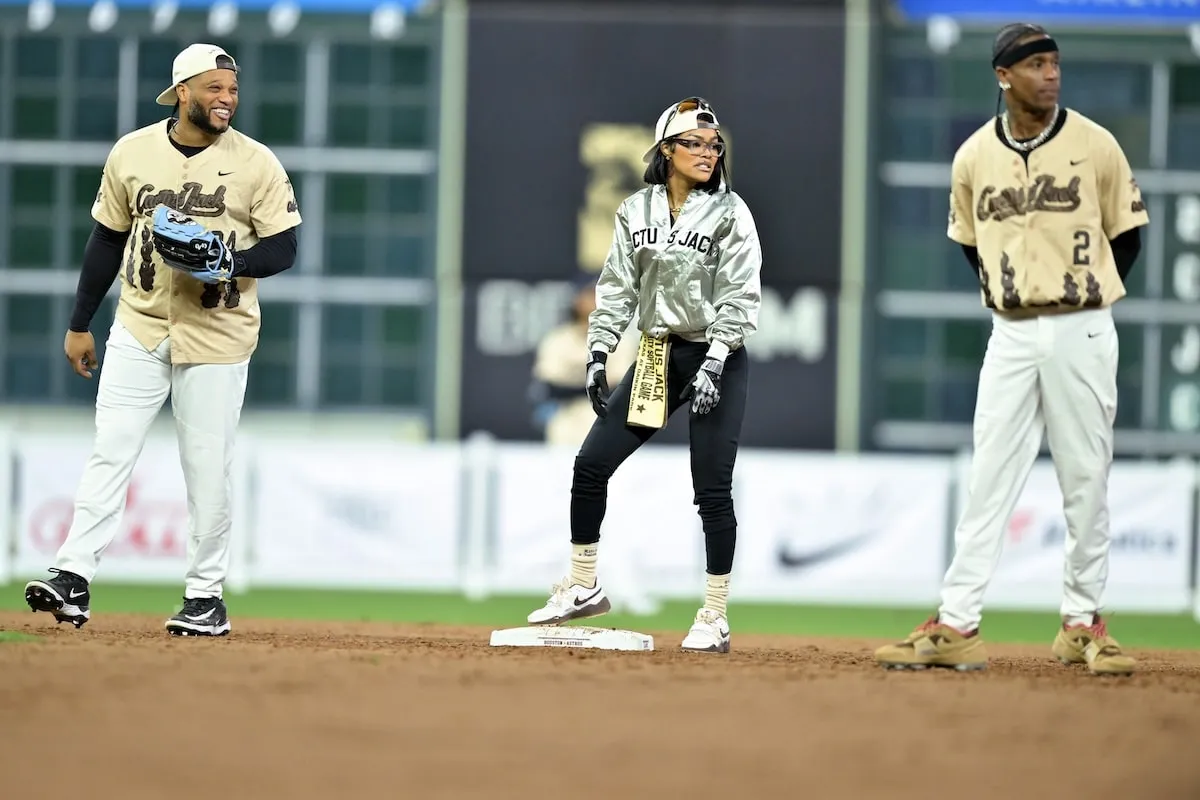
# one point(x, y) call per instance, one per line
point(192, 61)
point(686, 115)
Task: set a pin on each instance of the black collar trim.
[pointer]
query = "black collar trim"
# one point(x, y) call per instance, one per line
point(1058, 126)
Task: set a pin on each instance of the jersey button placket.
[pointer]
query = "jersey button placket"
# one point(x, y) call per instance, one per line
point(173, 289)
point(183, 177)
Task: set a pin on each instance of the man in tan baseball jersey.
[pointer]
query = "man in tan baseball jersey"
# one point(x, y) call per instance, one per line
point(1046, 208)
point(556, 368)
point(174, 332)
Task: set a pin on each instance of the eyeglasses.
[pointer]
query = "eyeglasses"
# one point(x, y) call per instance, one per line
point(696, 147)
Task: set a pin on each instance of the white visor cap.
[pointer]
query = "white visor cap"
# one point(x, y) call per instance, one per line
point(194, 60)
point(686, 115)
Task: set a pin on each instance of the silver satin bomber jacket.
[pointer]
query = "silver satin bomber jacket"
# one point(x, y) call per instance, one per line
point(698, 279)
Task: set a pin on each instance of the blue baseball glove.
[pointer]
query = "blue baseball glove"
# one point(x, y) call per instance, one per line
point(186, 245)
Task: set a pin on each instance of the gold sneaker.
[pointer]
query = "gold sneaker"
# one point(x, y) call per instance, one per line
point(1091, 645)
point(934, 644)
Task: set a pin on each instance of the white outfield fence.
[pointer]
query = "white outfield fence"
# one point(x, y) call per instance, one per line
point(487, 517)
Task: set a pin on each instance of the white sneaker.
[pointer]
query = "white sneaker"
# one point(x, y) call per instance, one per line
point(571, 601)
point(708, 634)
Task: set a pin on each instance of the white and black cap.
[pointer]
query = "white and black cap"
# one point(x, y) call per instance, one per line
point(193, 60)
point(686, 115)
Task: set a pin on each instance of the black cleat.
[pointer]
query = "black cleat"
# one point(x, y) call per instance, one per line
point(66, 596)
point(200, 616)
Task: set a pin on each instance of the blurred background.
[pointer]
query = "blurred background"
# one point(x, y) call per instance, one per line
point(411, 419)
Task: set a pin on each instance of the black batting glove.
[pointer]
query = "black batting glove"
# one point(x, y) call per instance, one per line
point(596, 382)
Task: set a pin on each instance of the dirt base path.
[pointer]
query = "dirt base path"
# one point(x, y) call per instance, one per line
point(310, 710)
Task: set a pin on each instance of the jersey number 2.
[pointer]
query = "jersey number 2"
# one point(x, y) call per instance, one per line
point(1083, 240)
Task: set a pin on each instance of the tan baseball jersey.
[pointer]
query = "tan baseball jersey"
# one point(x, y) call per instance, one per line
point(235, 187)
point(1042, 228)
point(561, 357)
point(561, 360)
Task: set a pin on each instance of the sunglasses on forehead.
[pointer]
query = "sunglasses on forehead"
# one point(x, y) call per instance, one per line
point(693, 104)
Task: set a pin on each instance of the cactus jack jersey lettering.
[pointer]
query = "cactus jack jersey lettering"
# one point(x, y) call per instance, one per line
point(1043, 226)
point(697, 278)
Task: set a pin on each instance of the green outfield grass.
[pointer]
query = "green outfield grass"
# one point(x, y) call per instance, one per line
point(13, 636)
point(1178, 631)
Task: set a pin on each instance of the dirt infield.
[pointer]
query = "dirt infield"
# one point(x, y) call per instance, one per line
point(308, 710)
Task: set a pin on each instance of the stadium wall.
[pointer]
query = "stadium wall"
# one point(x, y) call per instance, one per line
point(358, 505)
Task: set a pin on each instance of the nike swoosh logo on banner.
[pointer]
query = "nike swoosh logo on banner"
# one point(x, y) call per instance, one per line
point(793, 560)
point(585, 600)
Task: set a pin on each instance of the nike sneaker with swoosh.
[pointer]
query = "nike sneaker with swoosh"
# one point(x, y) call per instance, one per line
point(200, 616)
point(709, 633)
point(66, 596)
point(570, 601)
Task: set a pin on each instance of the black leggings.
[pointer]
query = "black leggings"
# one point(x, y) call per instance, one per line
point(713, 445)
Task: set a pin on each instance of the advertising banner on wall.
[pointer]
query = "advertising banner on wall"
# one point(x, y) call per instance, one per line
point(562, 100)
point(810, 528)
point(379, 515)
point(6, 505)
point(651, 541)
point(151, 540)
point(1151, 540)
point(843, 530)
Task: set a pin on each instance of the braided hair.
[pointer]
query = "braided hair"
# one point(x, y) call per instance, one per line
point(1006, 41)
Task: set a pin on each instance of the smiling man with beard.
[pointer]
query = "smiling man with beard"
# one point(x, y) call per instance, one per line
point(190, 214)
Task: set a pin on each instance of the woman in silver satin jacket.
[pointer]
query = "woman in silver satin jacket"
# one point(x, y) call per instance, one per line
point(684, 263)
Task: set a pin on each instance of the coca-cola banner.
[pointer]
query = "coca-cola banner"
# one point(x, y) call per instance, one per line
point(562, 99)
point(151, 540)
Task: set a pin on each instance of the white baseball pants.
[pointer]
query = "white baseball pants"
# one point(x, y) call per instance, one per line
point(1055, 374)
point(207, 403)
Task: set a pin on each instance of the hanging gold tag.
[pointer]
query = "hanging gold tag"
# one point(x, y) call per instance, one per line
point(648, 395)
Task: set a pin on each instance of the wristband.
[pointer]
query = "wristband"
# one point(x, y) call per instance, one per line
point(718, 350)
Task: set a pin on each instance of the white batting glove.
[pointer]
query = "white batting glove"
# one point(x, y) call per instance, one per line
point(705, 388)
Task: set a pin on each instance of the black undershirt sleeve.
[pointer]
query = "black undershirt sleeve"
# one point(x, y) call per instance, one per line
point(1126, 248)
point(101, 263)
point(972, 254)
point(269, 256)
